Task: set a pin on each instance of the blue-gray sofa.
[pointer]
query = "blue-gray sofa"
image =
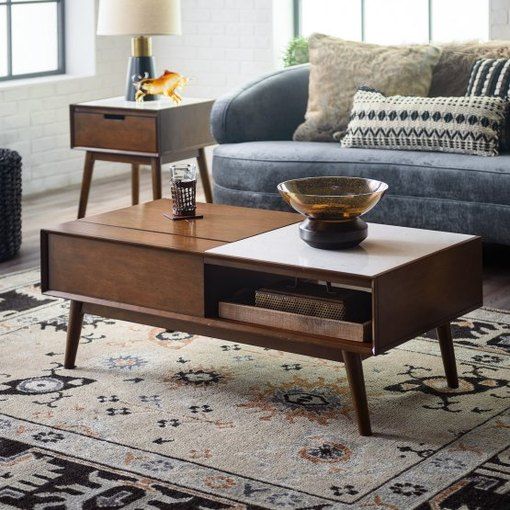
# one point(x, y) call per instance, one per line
point(254, 126)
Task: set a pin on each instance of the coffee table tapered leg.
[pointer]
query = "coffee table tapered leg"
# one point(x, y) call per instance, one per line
point(444, 334)
point(354, 369)
point(73, 333)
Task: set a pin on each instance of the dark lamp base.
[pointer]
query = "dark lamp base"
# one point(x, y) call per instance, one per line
point(333, 235)
point(139, 68)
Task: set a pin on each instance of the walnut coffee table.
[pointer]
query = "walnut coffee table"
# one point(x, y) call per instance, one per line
point(135, 265)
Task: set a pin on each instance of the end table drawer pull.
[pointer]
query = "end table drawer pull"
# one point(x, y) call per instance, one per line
point(113, 116)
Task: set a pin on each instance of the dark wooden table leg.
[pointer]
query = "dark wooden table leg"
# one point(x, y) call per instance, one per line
point(204, 175)
point(354, 369)
point(73, 333)
point(156, 178)
point(88, 168)
point(135, 184)
point(444, 334)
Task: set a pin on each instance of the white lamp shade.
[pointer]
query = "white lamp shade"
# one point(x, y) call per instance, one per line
point(139, 17)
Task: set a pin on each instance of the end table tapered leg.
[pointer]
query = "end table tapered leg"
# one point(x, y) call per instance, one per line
point(88, 168)
point(444, 335)
point(135, 184)
point(204, 175)
point(73, 333)
point(156, 178)
point(354, 369)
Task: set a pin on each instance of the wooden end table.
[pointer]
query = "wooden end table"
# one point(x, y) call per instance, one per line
point(134, 265)
point(151, 133)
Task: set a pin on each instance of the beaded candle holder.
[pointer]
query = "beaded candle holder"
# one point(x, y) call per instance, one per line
point(183, 187)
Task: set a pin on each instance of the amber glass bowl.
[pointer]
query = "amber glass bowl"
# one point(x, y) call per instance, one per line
point(332, 198)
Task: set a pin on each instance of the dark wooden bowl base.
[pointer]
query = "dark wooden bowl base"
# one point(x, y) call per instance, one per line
point(333, 235)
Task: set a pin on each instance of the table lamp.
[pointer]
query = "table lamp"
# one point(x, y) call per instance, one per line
point(140, 19)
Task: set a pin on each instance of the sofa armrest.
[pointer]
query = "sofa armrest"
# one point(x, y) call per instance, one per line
point(270, 108)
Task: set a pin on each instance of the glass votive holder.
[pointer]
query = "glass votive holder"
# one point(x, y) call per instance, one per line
point(183, 188)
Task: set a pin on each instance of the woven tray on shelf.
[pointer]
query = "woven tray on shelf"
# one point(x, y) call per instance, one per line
point(241, 307)
point(310, 299)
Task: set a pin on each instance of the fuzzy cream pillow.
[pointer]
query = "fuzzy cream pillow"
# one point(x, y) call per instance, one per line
point(338, 68)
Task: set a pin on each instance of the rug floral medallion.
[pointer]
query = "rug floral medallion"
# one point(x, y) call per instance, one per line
point(157, 419)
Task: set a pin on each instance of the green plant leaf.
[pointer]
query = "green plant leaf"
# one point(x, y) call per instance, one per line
point(296, 52)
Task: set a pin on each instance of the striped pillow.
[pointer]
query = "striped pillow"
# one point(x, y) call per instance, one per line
point(491, 77)
point(466, 125)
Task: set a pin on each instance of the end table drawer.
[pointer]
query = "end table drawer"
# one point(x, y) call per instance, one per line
point(134, 133)
point(122, 273)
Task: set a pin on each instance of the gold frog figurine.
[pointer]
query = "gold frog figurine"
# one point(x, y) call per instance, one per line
point(167, 84)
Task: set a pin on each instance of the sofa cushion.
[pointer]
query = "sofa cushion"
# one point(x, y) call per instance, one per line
point(339, 67)
point(260, 166)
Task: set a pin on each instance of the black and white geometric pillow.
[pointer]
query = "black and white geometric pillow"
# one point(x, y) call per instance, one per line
point(466, 125)
point(491, 77)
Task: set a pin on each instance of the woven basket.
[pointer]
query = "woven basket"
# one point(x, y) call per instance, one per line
point(301, 304)
point(10, 204)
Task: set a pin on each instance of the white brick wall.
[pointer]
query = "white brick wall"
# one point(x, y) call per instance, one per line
point(224, 44)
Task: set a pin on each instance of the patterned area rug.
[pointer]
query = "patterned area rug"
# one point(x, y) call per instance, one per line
point(154, 419)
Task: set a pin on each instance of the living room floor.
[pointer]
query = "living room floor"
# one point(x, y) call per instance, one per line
point(59, 206)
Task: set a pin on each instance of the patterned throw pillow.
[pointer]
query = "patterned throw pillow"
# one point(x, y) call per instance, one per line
point(466, 125)
point(491, 77)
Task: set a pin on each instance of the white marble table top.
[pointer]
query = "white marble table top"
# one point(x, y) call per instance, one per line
point(160, 104)
point(386, 248)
